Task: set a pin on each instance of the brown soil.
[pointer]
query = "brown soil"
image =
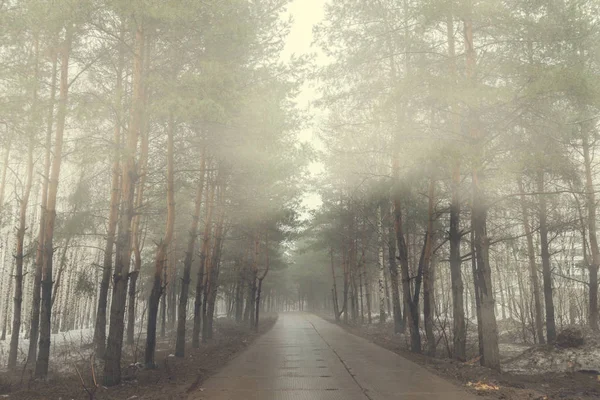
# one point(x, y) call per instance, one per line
point(483, 381)
point(174, 378)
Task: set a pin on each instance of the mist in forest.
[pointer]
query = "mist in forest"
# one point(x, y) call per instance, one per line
point(184, 180)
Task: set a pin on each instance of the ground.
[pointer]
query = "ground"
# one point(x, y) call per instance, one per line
point(172, 379)
point(509, 386)
point(186, 378)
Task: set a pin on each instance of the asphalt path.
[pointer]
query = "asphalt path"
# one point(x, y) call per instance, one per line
point(304, 357)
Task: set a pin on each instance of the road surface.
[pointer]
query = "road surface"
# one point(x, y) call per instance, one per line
point(307, 358)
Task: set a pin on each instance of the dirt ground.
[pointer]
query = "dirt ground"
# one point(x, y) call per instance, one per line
point(174, 378)
point(483, 381)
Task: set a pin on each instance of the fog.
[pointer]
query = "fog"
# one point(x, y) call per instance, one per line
point(189, 187)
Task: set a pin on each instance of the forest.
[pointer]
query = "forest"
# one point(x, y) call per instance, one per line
point(425, 176)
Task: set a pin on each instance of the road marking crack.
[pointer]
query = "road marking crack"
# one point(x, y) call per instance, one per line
point(348, 369)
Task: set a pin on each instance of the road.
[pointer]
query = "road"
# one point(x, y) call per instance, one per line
point(307, 358)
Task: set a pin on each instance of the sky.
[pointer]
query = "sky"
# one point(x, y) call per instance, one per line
point(306, 14)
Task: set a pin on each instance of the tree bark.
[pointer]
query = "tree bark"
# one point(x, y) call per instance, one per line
point(533, 273)
point(393, 267)
point(591, 207)
point(100, 324)
point(262, 277)
point(412, 308)
point(428, 276)
point(380, 265)
point(187, 264)
point(210, 196)
point(18, 299)
point(546, 270)
point(39, 260)
point(142, 174)
point(112, 357)
point(490, 356)
point(336, 307)
point(458, 309)
point(41, 367)
point(212, 284)
point(161, 252)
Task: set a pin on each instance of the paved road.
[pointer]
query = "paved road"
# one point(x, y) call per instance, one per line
point(307, 358)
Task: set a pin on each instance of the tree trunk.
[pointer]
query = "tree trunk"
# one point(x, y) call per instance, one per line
point(367, 286)
point(213, 276)
point(346, 285)
point(261, 278)
point(336, 307)
point(591, 207)
point(142, 175)
point(455, 235)
point(172, 285)
point(2, 190)
point(187, 264)
point(239, 299)
point(7, 302)
point(490, 356)
point(112, 355)
point(533, 273)
point(37, 279)
point(18, 299)
point(546, 271)
point(100, 324)
point(428, 276)
point(161, 252)
point(41, 367)
point(412, 308)
point(210, 196)
point(381, 265)
point(393, 267)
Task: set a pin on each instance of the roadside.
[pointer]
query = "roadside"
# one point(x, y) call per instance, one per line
point(483, 381)
point(174, 378)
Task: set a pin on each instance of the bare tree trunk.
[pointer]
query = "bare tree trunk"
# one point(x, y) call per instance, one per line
point(393, 267)
point(239, 300)
point(459, 332)
point(39, 260)
point(546, 271)
point(4, 278)
point(161, 252)
point(262, 277)
point(591, 207)
point(428, 276)
point(210, 196)
point(336, 307)
point(533, 273)
point(172, 285)
point(381, 265)
point(100, 324)
point(187, 264)
point(483, 275)
point(412, 308)
point(7, 302)
point(112, 355)
point(346, 284)
point(163, 301)
point(41, 367)
point(142, 174)
point(212, 283)
point(18, 299)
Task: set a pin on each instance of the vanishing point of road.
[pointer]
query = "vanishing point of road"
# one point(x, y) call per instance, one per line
point(307, 358)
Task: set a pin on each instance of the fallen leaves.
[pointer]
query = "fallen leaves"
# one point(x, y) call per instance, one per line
point(483, 386)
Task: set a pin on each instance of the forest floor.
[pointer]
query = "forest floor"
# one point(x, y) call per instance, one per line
point(484, 381)
point(174, 378)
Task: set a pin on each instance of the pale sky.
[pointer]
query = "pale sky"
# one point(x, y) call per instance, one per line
point(306, 14)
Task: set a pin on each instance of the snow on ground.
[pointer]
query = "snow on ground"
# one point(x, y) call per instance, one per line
point(65, 348)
